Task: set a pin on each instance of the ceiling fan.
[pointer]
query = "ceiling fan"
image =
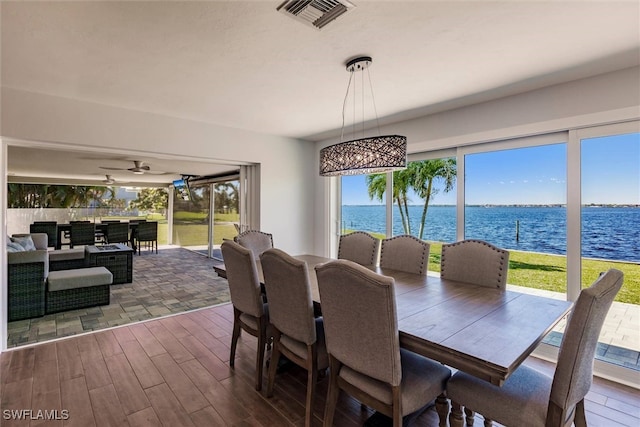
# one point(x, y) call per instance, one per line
point(138, 168)
point(111, 180)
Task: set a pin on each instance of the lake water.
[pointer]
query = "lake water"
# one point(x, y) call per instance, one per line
point(607, 232)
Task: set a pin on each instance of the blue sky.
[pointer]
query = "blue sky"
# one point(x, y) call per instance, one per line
point(537, 175)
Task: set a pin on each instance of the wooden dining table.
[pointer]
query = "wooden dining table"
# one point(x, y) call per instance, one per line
point(483, 331)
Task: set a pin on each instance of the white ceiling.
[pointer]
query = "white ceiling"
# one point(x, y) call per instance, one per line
point(245, 65)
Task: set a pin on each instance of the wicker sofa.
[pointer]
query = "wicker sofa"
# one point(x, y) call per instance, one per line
point(74, 287)
point(27, 272)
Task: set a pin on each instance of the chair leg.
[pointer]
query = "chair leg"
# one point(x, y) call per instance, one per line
point(333, 393)
point(262, 344)
point(234, 336)
point(312, 379)
point(442, 408)
point(273, 363)
point(580, 419)
point(455, 416)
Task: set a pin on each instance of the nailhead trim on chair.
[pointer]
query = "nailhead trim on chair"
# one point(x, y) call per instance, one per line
point(425, 248)
point(373, 253)
point(482, 242)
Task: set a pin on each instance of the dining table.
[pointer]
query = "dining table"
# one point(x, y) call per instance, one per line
point(484, 331)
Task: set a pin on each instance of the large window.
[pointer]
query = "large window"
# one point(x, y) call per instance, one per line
point(610, 235)
point(516, 200)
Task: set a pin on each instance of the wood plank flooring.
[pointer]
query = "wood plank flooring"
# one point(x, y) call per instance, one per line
point(175, 372)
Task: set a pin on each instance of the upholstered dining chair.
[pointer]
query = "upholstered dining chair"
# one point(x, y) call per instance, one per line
point(530, 398)
point(49, 227)
point(405, 253)
point(476, 262)
point(297, 334)
point(249, 312)
point(365, 357)
point(256, 241)
point(82, 233)
point(359, 247)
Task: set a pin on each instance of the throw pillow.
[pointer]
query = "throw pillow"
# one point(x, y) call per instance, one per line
point(25, 241)
point(14, 247)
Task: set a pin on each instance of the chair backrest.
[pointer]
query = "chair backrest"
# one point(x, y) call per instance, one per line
point(476, 262)
point(48, 227)
point(242, 275)
point(117, 232)
point(359, 247)
point(147, 231)
point(574, 372)
point(83, 233)
point(405, 253)
point(286, 281)
point(256, 241)
point(360, 323)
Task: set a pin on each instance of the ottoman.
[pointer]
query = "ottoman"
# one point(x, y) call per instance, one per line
point(79, 288)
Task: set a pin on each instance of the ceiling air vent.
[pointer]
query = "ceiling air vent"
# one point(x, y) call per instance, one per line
point(316, 13)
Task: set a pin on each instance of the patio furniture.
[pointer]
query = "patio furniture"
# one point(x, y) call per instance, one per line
point(249, 312)
point(116, 232)
point(26, 274)
point(476, 262)
point(531, 398)
point(359, 247)
point(297, 334)
point(49, 227)
point(80, 288)
point(147, 233)
point(256, 241)
point(82, 233)
point(366, 360)
point(67, 259)
point(405, 253)
point(117, 258)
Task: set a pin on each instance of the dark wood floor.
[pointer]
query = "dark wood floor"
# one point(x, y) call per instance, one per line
point(175, 372)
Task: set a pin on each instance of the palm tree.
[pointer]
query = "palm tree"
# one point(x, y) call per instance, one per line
point(427, 172)
point(377, 185)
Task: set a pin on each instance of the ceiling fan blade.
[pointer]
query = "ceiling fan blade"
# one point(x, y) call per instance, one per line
point(112, 169)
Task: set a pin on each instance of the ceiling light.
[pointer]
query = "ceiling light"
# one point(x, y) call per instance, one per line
point(365, 155)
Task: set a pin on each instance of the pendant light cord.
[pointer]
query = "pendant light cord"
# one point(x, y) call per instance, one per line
point(344, 105)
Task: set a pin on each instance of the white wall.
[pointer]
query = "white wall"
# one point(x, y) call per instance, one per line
point(286, 202)
point(604, 99)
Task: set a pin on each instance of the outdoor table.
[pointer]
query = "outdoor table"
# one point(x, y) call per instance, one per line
point(99, 227)
point(483, 331)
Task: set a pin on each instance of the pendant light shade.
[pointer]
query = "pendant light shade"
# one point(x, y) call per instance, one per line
point(363, 156)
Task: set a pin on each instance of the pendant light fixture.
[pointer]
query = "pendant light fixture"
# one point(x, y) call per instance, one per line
point(367, 155)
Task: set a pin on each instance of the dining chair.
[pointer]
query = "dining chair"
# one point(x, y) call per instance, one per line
point(297, 334)
point(476, 262)
point(48, 227)
point(256, 241)
point(147, 232)
point(249, 312)
point(82, 234)
point(117, 232)
point(531, 398)
point(405, 253)
point(359, 247)
point(365, 357)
